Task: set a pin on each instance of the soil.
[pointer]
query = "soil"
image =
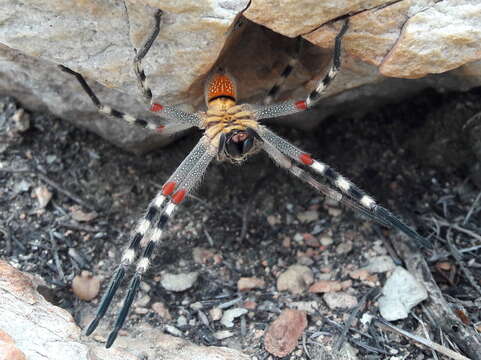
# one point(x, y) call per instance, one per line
point(413, 157)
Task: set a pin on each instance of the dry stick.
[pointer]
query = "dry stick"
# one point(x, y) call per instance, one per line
point(459, 228)
point(350, 320)
point(426, 342)
point(446, 254)
point(426, 334)
point(459, 261)
point(470, 212)
point(468, 340)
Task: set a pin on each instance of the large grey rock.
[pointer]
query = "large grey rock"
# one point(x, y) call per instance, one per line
point(43, 331)
point(97, 38)
point(400, 294)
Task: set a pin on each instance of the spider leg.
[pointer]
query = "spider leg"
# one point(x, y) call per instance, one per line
point(285, 73)
point(107, 110)
point(185, 186)
point(169, 112)
point(329, 192)
point(140, 54)
point(152, 215)
point(340, 182)
point(287, 108)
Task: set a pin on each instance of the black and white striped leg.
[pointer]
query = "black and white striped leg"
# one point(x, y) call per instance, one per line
point(340, 182)
point(288, 108)
point(315, 94)
point(271, 95)
point(140, 54)
point(107, 110)
point(192, 178)
point(146, 226)
point(329, 192)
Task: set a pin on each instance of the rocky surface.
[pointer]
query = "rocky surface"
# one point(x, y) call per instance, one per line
point(32, 327)
point(412, 40)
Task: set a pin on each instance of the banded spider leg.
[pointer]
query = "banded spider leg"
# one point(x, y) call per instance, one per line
point(150, 228)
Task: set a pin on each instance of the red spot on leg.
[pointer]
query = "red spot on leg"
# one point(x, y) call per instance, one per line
point(306, 159)
point(301, 105)
point(159, 128)
point(178, 196)
point(156, 107)
point(168, 188)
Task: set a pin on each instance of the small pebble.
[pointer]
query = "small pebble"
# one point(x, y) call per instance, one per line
point(249, 283)
point(86, 286)
point(339, 300)
point(162, 310)
point(326, 240)
point(310, 307)
point(308, 216)
point(43, 196)
point(196, 306)
point(295, 279)
point(283, 333)
point(215, 314)
point(223, 334)
point(380, 264)
point(325, 286)
point(172, 330)
point(231, 314)
point(344, 247)
point(181, 321)
point(179, 282)
point(202, 256)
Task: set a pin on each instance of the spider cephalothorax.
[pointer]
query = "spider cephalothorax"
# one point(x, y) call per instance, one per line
point(231, 132)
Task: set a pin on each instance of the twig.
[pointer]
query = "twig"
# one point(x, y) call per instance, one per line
point(426, 334)
point(437, 307)
point(350, 320)
point(459, 261)
point(426, 342)
point(459, 228)
point(304, 346)
point(79, 227)
point(56, 257)
point(446, 254)
point(470, 212)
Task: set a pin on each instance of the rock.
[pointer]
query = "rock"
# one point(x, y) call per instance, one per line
point(10, 352)
point(179, 282)
point(326, 240)
point(282, 335)
point(42, 331)
point(249, 283)
point(295, 279)
point(223, 334)
point(162, 310)
point(202, 256)
point(43, 196)
point(339, 300)
point(308, 216)
point(215, 314)
point(364, 276)
point(173, 330)
point(400, 294)
point(380, 264)
point(81, 216)
point(98, 40)
point(344, 247)
point(21, 121)
point(325, 286)
point(231, 314)
point(348, 352)
point(309, 307)
point(86, 286)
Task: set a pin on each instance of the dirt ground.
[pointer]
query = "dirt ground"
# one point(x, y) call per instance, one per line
point(413, 157)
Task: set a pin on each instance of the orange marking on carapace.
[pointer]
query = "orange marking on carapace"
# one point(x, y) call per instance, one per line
point(301, 105)
point(220, 85)
point(306, 159)
point(178, 196)
point(156, 107)
point(168, 188)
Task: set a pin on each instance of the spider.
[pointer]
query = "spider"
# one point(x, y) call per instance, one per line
point(232, 132)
